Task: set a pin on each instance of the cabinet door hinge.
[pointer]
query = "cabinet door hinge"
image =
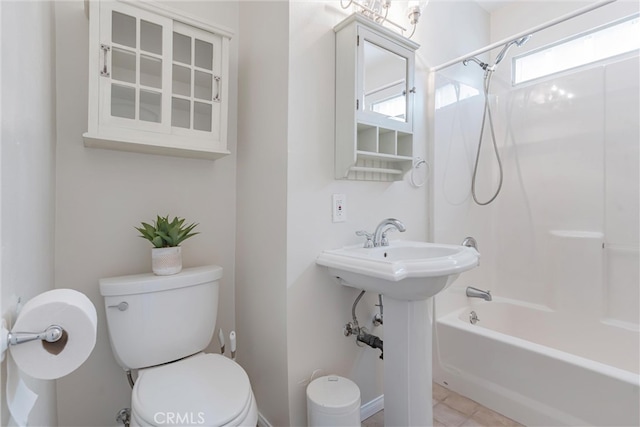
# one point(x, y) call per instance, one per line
point(357, 104)
point(357, 40)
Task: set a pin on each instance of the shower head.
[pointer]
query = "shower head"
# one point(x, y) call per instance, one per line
point(523, 40)
point(519, 42)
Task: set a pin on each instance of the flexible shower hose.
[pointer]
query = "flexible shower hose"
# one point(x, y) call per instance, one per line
point(487, 112)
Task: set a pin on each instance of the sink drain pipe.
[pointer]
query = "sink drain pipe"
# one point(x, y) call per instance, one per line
point(362, 335)
point(372, 341)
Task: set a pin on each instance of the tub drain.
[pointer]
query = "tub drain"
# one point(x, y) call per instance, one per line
point(473, 318)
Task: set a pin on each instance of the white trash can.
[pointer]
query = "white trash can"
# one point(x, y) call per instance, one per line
point(333, 401)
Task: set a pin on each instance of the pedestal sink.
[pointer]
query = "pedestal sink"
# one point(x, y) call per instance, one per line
point(408, 274)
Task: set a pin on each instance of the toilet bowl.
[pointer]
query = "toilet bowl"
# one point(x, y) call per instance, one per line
point(160, 325)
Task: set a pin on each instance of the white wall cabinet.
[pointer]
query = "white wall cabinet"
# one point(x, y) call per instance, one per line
point(158, 81)
point(374, 101)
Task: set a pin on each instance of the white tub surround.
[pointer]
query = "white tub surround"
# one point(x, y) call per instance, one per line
point(560, 241)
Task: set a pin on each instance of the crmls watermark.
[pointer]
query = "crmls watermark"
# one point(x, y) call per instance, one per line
point(178, 418)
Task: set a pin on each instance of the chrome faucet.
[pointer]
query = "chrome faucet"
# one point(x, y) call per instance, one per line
point(478, 293)
point(380, 235)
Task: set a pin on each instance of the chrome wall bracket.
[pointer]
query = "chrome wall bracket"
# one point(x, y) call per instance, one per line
point(8, 338)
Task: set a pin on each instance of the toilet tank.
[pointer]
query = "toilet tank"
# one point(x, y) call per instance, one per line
point(157, 319)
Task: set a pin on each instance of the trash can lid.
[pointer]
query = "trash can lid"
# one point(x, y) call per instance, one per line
point(333, 392)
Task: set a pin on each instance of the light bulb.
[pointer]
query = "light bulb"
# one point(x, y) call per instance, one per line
point(415, 9)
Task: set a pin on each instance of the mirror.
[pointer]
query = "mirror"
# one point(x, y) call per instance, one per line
point(385, 85)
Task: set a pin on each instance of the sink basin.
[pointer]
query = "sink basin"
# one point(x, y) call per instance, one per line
point(404, 270)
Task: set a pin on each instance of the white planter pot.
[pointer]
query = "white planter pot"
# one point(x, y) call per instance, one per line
point(166, 261)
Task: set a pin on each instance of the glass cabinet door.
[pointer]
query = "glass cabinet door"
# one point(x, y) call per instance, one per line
point(135, 71)
point(385, 82)
point(196, 81)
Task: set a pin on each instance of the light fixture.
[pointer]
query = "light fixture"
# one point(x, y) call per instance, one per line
point(378, 10)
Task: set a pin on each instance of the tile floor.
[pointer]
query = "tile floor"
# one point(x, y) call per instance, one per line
point(453, 410)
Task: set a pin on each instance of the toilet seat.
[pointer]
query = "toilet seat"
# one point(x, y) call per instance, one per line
point(204, 389)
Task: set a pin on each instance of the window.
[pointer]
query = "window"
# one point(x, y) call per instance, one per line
point(604, 42)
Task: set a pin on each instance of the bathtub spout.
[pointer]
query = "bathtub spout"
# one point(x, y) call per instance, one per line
point(478, 293)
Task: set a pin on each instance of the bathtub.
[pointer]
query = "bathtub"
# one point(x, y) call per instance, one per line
point(529, 364)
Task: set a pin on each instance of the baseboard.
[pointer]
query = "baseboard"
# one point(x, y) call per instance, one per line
point(372, 407)
point(262, 421)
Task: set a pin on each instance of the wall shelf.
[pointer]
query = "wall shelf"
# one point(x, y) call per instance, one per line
point(137, 145)
point(380, 156)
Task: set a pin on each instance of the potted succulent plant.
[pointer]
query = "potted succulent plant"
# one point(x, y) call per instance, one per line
point(166, 235)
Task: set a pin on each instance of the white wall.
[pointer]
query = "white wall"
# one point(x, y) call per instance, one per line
point(286, 302)
point(28, 171)
point(101, 195)
point(288, 313)
point(318, 308)
point(261, 255)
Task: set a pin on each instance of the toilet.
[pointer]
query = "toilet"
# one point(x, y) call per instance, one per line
point(160, 325)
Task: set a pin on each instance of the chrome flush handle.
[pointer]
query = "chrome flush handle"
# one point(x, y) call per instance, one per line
point(123, 306)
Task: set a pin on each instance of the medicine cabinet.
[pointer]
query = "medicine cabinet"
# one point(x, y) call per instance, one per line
point(158, 81)
point(374, 101)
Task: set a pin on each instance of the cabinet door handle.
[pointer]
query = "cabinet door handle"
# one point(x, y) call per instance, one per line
point(104, 72)
point(217, 97)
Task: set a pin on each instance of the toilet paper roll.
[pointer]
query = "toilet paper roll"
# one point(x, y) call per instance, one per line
point(72, 311)
point(20, 398)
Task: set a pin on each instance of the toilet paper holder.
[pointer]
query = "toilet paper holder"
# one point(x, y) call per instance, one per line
point(52, 334)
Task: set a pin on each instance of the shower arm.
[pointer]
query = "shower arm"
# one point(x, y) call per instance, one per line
point(482, 65)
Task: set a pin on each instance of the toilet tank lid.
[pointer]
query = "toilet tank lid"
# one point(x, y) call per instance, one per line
point(149, 282)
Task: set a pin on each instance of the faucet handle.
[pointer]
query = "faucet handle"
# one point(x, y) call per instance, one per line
point(369, 236)
point(383, 237)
